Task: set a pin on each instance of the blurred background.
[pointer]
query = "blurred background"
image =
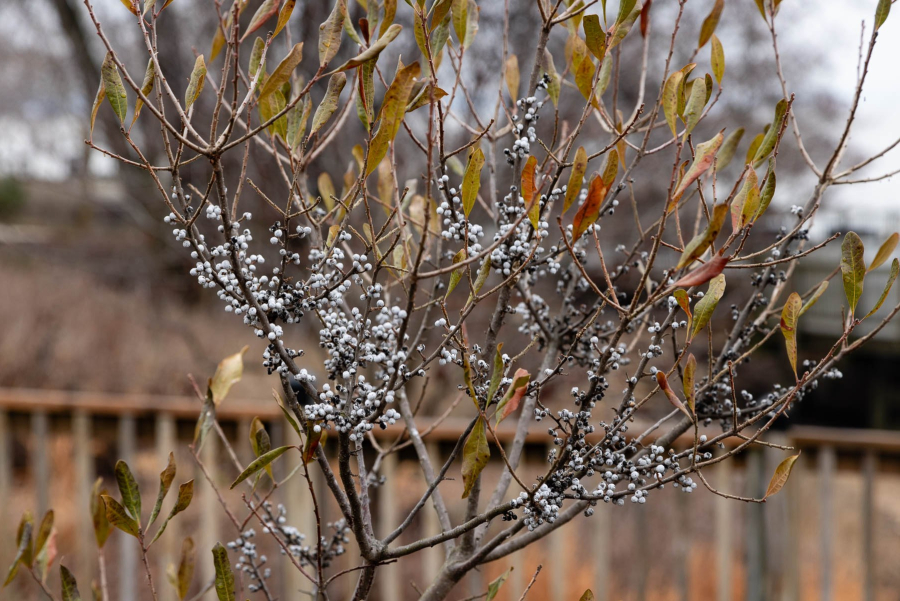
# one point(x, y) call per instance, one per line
point(100, 322)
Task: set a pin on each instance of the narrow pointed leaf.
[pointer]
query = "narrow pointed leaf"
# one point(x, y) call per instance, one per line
point(375, 49)
point(119, 518)
point(390, 119)
point(456, 274)
point(746, 203)
point(700, 243)
point(472, 180)
point(483, 272)
point(195, 85)
point(514, 395)
point(146, 88)
point(704, 308)
point(594, 36)
point(576, 178)
point(23, 551)
point(284, 16)
point(670, 394)
point(709, 24)
point(227, 374)
point(681, 297)
point(476, 454)
point(670, 100)
point(98, 514)
point(881, 12)
point(185, 572)
point(693, 108)
point(717, 59)
point(704, 273)
point(884, 251)
point(768, 191)
point(330, 32)
point(729, 147)
point(329, 103)
point(68, 585)
point(512, 77)
point(895, 268)
point(767, 145)
point(98, 100)
point(781, 475)
point(43, 532)
point(260, 463)
point(182, 502)
point(494, 586)
point(814, 298)
point(853, 268)
point(114, 88)
point(224, 581)
point(266, 11)
point(789, 317)
point(703, 160)
point(282, 73)
point(128, 488)
point(528, 191)
point(496, 374)
point(687, 380)
point(590, 209)
point(165, 482)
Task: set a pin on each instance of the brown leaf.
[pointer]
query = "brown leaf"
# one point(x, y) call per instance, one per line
point(476, 454)
point(670, 394)
point(704, 273)
point(781, 475)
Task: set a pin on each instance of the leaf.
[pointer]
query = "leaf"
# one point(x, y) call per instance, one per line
point(717, 59)
point(228, 373)
point(219, 39)
point(195, 85)
point(746, 203)
point(514, 395)
point(709, 24)
point(700, 243)
point(329, 103)
point(330, 32)
point(496, 374)
point(703, 159)
point(224, 581)
point(284, 16)
point(205, 420)
point(705, 307)
point(624, 22)
point(114, 89)
point(476, 454)
point(119, 518)
point(47, 556)
point(594, 36)
point(693, 109)
point(768, 191)
point(182, 502)
point(265, 12)
point(390, 118)
point(705, 272)
point(770, 139)
point(814, 298)
point(729, 146)
point(98, 100)
point(146, 88)
point(128, 488)
point(68, 585)
point(781, 475)
point(853, 268)
point(390, 10)
point(260, 462)
point(375, 49)
point(181, 579)
point(282, 73)
point(472, 180)
point(456, 274)
point(512, 77)
point(460, 16)
point(687, 380)
point(584, 79)
point(165, 482)
point(98, 514)
point(881, 13)
point(23, 548)
point(681, 297)
point(494, 586)
point(670, 394)
point(313, 440)
point(884, 251)
point(269, 106)
point(131, 5)
point(670, 94)
point(43, 532)
point(576, 178)
point(554, 83)
point(588, 595)
point(528, 189)
point(895, 268)
point(421, 96)
point(483, 272)
point(789, 316)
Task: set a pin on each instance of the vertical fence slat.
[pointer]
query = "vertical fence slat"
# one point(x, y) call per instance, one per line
point(724, 527)
point(793, 491)
point(389, 579)
point(210, 510)
point(754, 533)
point(5, 486)
point(126, 559)
point(41, 472)
point(84, 479)
point(166, 442)
point(433, 556)
point(870, 469)
point(602, 522)
point(827, 463)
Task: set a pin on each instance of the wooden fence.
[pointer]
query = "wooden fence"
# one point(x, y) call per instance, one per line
point(832, 534)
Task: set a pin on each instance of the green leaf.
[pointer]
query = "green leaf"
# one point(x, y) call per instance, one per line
point(701, 242)
point(472, 180)
point(23, 548)
point(297, 118)
point(282, 73)
point(146, 88)
point(266, 11)
point(884, 251)
point(687, 380)
point(624, 22)
point(494, 586)
point(165, 482)
point(717, 59)
point(374, 50)
point(789, 317)
point(195, 86)
point(670, 95)
point(594, 36)
point(390, 118)
point(185, 572)
point(182, 502)
point(576, 178)
point(456, 274)
point(68, 585)
point(284, 16)
point(43, 532)
point(459, 11)
point(483, 272)
point(781, 475)
point(496, 374)
point(881, 13)
point(553, 86)
point(119, 518)
point(476, 454)
point(681, 296)
point(814, 298)
point(269, 106)
point(853, 268)
point(895, 268)
point(693, 109)
point(529, 192)
point(703, 160)
point(709, 24)
point(98, 514)
point(704, 308)
point(588, 595)
point(128, 488)
point(767, 145)
point(256, 59)
point(261, 462)
point(670, 394)
point(768, 191)
point(514, 395)
point(113, 87)
point(746, 203)
point(329, 103)
point(224, 576)
point(330, 33)
point(729, 146)
point(584, 80)
point(228, 373)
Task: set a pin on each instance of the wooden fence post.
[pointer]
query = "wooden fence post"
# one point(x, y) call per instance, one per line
point(870, 470)
point(602, 522)
point(40, 436)
point(126, 557)
point(724, 532)
point(389, 580)
point(827, 461)
point(792, 552)
point(166, 441)
point(433, 557)
point(84, 479)
point(6, 530)
point(755, 529)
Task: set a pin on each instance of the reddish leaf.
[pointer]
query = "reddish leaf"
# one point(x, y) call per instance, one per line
point(703, 160)
point(670, 394)
point(704, 273)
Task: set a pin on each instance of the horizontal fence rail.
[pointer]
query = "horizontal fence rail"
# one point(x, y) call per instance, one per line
point(828, 535)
